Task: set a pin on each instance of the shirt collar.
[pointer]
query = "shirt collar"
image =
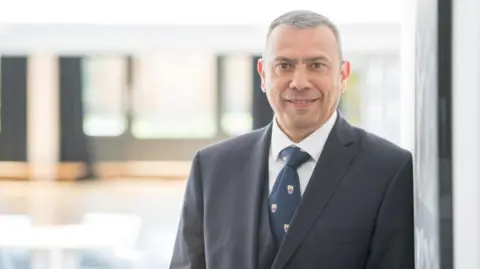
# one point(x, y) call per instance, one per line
point(313, 144)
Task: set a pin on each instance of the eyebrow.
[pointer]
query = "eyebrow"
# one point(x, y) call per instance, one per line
point(304, 60)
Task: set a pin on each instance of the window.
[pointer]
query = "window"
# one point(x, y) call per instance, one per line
point(104, 82)
point(174, 96)
point(237, 94)
point(372, 98)
point(393, 100)
point(350, 101)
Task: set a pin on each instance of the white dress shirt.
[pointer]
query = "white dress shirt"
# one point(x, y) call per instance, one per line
point(313, 145)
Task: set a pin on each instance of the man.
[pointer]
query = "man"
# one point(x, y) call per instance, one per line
point(307, 191)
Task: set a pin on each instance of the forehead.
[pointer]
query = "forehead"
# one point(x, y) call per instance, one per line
point(292, 42)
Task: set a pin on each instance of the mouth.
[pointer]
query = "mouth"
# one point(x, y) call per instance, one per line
point(302, 103)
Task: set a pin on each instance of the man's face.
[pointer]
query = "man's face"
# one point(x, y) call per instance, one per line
point(303, 76)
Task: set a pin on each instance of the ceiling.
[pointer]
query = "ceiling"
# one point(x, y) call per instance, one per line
point(192, 11)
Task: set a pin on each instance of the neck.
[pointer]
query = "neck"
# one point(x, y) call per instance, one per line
point(298, 135)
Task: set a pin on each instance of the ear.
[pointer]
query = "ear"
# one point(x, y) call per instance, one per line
point(261, 73)
point(344, 74)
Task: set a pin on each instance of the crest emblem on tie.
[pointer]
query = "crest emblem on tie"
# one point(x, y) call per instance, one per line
point(274, 208)
point(285, 227)
point(290, 189)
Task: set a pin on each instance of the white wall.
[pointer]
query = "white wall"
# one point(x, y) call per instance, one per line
point(466, 133)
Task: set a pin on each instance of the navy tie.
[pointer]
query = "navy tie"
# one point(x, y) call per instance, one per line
point(285, 195)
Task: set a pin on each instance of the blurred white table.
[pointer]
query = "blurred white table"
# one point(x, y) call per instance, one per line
point(60, 241)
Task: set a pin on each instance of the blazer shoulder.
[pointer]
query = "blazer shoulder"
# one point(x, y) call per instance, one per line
point(237, 145)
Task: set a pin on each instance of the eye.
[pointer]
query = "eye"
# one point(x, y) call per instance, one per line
point(317, 65)
point(283, 65)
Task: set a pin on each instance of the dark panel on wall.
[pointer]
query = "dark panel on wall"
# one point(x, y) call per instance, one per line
point(262, 112)
point(220, 80)
point(13, 134)
point(74, 146)
point(433, 160)
point(445, 104)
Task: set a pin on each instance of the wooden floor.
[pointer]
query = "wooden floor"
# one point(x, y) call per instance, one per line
point(157, 202)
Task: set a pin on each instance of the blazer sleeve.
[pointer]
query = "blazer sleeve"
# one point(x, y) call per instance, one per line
point(393, 245)
point(189, 252)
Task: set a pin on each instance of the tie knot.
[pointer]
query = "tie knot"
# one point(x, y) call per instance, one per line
point(294, 156)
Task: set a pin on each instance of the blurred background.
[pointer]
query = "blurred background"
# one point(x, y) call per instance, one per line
point(104, 103)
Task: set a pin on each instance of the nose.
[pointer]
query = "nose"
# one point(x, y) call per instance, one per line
point(300, 80)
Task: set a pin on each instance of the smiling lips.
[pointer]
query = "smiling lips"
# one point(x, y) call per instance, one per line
point(301, 103)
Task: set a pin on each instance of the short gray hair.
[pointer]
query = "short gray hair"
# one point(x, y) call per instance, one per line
point(305, 19)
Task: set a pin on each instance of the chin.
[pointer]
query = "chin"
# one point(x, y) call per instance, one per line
point(303, 124)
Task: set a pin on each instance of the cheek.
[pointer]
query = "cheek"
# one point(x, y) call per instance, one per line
point(274, 94)
point(327, 87)
point(276, 87)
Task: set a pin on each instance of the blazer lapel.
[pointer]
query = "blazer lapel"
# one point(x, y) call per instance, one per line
point(338, 153)
point(254, 178)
